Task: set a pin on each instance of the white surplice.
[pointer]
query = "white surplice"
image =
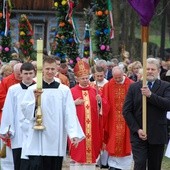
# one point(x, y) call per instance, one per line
point(12, 114)
point(59, 119)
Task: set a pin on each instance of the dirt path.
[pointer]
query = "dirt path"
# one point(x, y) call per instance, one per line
point(66, 165)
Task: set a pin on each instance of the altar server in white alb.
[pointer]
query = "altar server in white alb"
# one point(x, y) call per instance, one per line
point(46, 148)
point(12, 114)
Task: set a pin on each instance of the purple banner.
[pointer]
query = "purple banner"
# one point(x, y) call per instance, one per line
point(145, 9)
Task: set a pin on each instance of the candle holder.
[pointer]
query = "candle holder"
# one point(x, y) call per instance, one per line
point(3, 151)
point(39, 120)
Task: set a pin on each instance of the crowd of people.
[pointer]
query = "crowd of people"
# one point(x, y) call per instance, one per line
point(93, 114)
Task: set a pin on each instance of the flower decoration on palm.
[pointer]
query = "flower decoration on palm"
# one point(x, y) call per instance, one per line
point(64, 36)
point(26, 37)
point(5, 37)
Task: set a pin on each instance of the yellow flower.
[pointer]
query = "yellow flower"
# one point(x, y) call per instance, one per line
point(86, 53)
point(63, 2)
point(56, 4)
point(22, 33)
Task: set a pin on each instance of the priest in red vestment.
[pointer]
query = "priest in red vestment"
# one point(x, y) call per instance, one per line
point(86, 101)
point(99, 80)
point(117, 135)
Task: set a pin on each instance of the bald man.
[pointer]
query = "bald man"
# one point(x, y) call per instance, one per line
point(117, 135)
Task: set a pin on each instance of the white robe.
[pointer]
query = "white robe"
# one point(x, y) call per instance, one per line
point(124, 163)
point(167, 153)
point(12, 114)
point(59, 119)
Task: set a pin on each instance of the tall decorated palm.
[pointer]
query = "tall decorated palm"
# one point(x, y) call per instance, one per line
point(88, 38)
point(5, 38)
point(103, 28)
point(25, 38)
point(67, 45)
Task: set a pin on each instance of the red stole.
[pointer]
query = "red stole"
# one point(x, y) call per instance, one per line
point(88, 149)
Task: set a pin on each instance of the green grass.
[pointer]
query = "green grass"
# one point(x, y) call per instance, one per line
point(157, 40)
point(155, 37)
point(166, 163)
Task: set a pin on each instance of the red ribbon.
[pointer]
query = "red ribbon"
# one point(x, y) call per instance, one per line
point(71, 6)
point(29, 26)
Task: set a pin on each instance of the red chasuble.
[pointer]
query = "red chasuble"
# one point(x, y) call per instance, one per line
point(88, 149)
point(117, 134)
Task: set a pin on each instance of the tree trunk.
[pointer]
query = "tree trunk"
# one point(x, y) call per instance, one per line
point(125, 24)
point(163, 27)
point(132, 38)
point(116, 20)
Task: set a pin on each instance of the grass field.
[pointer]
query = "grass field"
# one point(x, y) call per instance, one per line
point(157, 40)
point(166, 163)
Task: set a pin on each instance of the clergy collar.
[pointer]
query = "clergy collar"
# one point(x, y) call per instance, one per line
point(49, 82)
point(53, 84)
point(25, 86)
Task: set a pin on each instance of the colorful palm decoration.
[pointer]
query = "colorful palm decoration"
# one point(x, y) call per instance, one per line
point(5, 38)
point(67, 44)
point(25, 37)
point(103, 28)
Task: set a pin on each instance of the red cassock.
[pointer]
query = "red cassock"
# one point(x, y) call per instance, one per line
point(4, 86)
point(88, 149)
point(117, 134)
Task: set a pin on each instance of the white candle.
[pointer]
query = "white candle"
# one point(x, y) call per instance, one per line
point(39, 63)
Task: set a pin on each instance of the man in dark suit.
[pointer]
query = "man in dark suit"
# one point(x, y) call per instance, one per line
point(148, 148)
point(16, 48)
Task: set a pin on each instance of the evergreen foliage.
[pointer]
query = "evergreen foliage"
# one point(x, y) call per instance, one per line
point(5, 39)
point(25, 37)
point(67, 46)
point(102, 29)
